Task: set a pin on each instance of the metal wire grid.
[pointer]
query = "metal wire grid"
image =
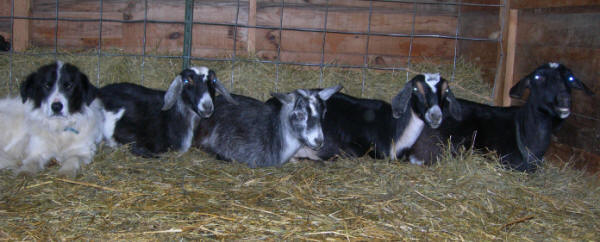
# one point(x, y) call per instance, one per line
point(277, 62)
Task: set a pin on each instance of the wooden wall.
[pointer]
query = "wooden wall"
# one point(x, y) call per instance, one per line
point(296, 46)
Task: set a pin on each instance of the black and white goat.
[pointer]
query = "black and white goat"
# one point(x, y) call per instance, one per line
point(520, 135)
point(355, 126)
point(260, 134)
point(156, 121)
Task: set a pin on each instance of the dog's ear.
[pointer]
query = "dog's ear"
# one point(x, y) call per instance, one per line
point(89, 91)
point(27, 88)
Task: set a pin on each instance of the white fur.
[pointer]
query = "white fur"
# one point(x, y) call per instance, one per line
point(415, 161)
point(409, 136)
point(204, 99)
point(31, 138)
point(289, 143)
point(202, 70)
point(312, 135)
point(110, 122)
point(553, 65)
point(432, 79)
point(308, 153)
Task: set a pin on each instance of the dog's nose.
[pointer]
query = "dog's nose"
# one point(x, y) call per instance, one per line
point(57, 107)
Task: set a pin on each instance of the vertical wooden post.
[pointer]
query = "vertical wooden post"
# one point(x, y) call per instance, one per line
point(511, 45)
point(251, 41)
point(21, 26)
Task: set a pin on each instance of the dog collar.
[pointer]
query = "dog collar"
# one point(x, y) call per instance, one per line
point(70, 129)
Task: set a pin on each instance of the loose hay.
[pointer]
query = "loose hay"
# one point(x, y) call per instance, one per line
point(194, 196)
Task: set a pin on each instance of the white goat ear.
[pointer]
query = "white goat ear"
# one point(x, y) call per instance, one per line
point(328, 92)
point(173, 93)
point(283, 97)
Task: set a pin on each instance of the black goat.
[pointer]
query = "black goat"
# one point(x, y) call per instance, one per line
point(520, 135)
point(355, 126)
point(260, 134)
point(156, 121)
point(4, 45)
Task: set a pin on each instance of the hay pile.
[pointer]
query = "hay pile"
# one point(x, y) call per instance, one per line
point(194, 196)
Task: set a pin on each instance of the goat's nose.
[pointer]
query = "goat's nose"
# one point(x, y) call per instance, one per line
point(319, 142)
point(208, 107)
point(56, 107)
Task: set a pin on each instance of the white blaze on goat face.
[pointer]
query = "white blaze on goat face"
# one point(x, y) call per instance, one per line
point(432, 79)
point(553, 65)
point(312, 102)
point(202, 70)
point(205, 100)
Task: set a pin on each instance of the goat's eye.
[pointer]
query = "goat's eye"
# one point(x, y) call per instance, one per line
point(47, 85)
point(186, 81)
point(415, 89)
point(447, 90)
point(537, 77)
point(571, 79)
point(67, 85)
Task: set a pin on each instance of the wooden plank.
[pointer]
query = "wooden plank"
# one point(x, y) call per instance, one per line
point(511, 46)
point(251, 41)
point(522, 4)
point(501, 59)
point(21, 26)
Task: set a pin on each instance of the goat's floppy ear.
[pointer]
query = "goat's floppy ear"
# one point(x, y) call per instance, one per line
point(283, 97)
point(518, 89)
point(223, 91)
point(27, 86)
point(400, 101)
point(453, 106)
point(173, 93)
point(577, 84)
point(328, 92)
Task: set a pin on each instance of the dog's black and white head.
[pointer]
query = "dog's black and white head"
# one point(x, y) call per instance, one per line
point(427, 94)
point(195, 87)
point(58, 89)
point(550, 87)
point(303, 110)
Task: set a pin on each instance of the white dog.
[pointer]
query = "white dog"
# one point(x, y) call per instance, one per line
point(57, 117)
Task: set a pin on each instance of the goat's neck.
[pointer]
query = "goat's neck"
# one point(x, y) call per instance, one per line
point(534, 128)
point(408, 129)
point(186, 130)
point(288, 141)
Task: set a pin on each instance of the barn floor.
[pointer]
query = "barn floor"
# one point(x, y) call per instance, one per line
point(194, 196)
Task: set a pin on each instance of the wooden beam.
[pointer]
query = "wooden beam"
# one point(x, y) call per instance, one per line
point(501, 58)
point(251, 41)
point(523, 4)
point(21, 26)
point(511, 45)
